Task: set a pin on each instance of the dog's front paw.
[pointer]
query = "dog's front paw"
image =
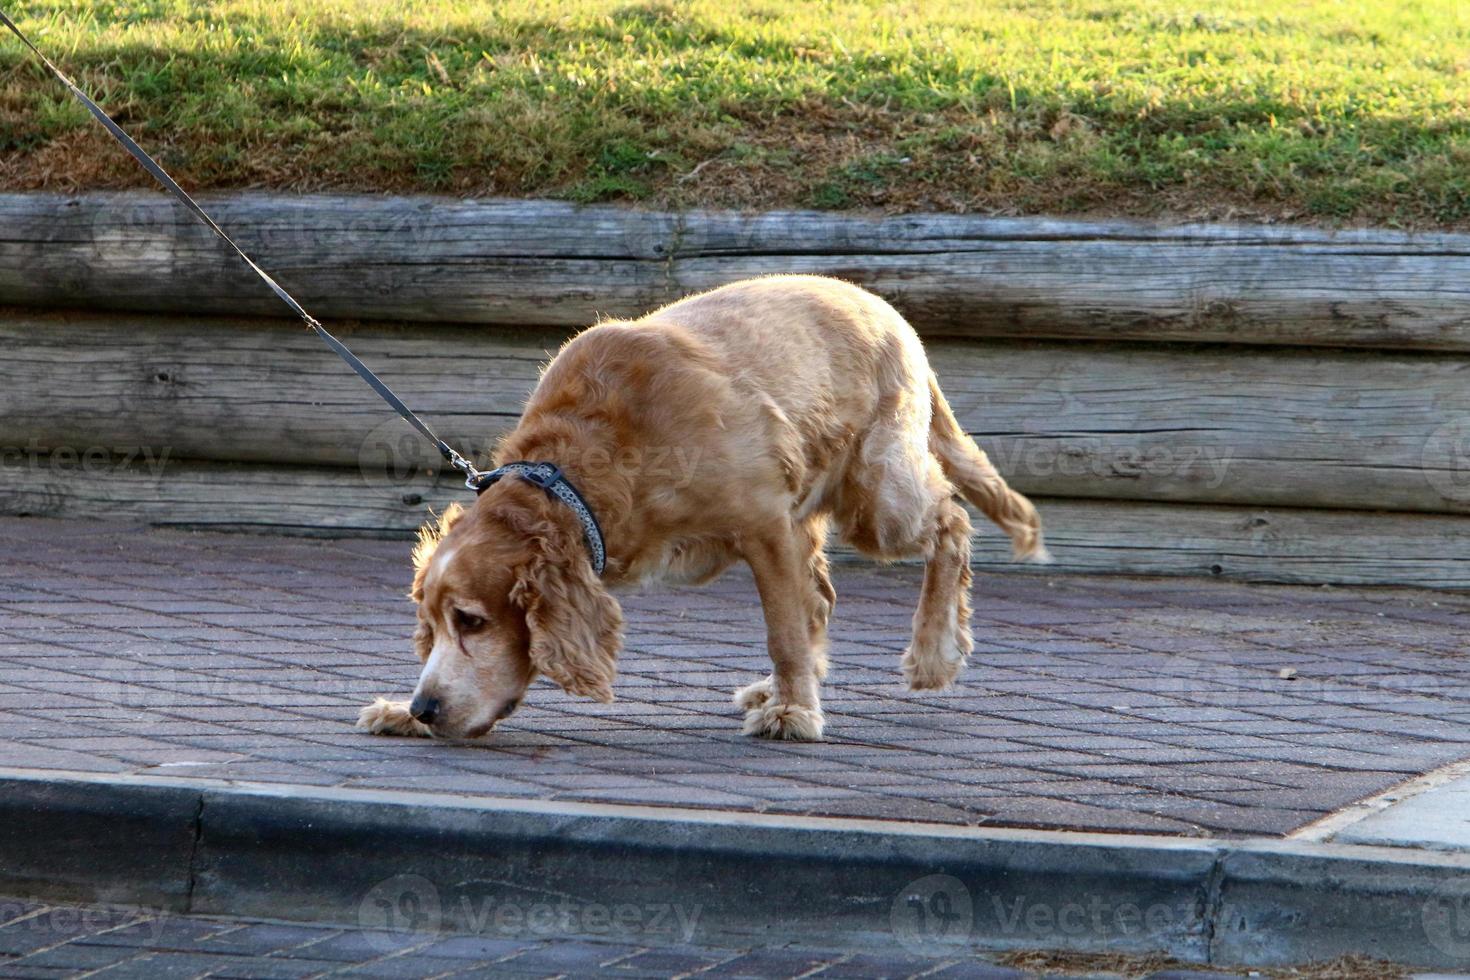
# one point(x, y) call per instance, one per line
point(384, 717)
point(754, 695)
point(796, 722)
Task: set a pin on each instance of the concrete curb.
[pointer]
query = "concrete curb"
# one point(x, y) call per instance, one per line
point(394, 861)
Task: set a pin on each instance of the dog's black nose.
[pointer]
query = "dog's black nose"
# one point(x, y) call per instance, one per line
point(424, 709)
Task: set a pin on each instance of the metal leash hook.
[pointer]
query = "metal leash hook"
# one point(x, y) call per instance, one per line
point(472, 475)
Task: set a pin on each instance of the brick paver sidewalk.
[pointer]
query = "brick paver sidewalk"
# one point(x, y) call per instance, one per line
point(113, 943)
point(1148, 705)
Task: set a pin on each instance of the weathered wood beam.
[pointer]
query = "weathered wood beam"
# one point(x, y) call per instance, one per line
point(1317, 547)
point(257, 390)
point(546, 263)
point(1253, 544)
point(1259, 426)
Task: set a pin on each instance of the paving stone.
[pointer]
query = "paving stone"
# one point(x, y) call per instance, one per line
point(474, 948)
point(78, 956)
point(764, 963)
point(15, 942)
point(413, 965)
point(356, 945)
point(976, 970)
point(569, 957)
point(173, 932)
point(672, 961)
point(12, 909)
point(19, 971)
point(259, 968)
point(870, 966)
point(263, 940)
point(169, 965)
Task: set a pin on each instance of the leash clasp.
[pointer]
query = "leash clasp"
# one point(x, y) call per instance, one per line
point(473, 478)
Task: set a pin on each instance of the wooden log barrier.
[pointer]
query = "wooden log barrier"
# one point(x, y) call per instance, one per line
point(548, 263)
point(1275, 404)
point(1259, 426)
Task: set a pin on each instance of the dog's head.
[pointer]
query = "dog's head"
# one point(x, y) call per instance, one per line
point(506, 591)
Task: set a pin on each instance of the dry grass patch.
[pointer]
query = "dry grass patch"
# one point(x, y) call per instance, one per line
point(1121, 965)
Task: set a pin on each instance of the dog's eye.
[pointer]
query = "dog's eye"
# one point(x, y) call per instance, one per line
point(467, 622)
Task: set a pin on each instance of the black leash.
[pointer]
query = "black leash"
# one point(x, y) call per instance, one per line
point(472, 476)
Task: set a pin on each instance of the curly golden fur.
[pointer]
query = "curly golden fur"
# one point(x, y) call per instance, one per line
point(733, 425)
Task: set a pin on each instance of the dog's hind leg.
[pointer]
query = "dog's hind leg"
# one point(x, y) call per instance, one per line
point(896, 503)
point(942, 639)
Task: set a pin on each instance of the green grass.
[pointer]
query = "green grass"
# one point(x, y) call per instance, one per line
point(1330, 111)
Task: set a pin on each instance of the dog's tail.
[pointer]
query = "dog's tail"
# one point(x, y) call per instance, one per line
point(973, 475)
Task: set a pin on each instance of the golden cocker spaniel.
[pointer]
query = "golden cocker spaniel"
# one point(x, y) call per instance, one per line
point(736, 424)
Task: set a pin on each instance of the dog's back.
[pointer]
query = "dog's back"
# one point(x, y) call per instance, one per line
point(811, 343)
point(817, 391)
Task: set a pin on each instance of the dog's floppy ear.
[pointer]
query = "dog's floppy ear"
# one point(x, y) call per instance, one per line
point(576, 625)
point(429, 537)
